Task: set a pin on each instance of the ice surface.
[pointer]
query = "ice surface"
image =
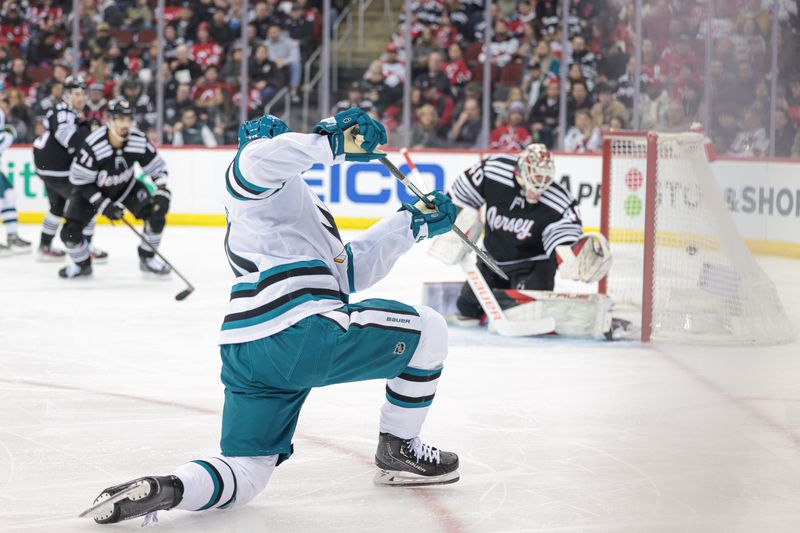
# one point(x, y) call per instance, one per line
point(108, 379)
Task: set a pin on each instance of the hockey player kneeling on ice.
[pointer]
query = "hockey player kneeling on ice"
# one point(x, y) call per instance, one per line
point(102, 174)
point(289, 326)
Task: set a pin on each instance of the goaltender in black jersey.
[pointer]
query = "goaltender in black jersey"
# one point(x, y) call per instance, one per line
point(527, 216)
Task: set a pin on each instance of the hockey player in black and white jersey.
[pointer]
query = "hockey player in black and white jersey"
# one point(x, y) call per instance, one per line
point(103, 176)
point(527, 216)
point(53, 152)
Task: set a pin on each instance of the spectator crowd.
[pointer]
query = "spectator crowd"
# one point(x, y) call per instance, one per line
point(117, 55)
point(203, 61)
point(526, 55)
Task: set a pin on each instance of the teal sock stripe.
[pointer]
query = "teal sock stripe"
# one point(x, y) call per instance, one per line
point(421, 372)
point(407, 405)
point(216, 479)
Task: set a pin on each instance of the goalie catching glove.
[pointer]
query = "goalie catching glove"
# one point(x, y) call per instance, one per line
point(588, 260)
point(427, 222)
point(355, 134)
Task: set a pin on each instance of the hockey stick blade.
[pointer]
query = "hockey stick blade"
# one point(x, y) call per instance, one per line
point(189, 287)
point(483, 256)
point(183, 294)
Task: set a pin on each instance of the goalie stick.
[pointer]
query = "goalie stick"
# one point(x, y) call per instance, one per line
point(494, 312)
point(483, 256)
point(189, 287)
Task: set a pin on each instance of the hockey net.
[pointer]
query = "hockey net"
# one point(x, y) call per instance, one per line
point(680, 267)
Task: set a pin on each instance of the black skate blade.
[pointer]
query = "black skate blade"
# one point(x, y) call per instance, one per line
point(390, 478)
point(138, 490)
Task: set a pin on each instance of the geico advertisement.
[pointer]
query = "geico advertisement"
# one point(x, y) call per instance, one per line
point(764, 197)
point(355, 190)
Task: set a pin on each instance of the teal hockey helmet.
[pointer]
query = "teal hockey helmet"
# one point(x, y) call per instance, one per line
point(265, 127)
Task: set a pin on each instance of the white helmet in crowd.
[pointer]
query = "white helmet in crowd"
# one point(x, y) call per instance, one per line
point(535, 171)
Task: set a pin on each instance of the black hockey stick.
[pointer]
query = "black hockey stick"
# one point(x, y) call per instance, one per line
point(189, 287)
point(483, 256)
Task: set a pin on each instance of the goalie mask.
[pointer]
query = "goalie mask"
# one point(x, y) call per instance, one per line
point(265, 127)
point(535, 171)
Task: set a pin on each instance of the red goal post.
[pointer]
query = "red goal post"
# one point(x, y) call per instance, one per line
point(680, 268)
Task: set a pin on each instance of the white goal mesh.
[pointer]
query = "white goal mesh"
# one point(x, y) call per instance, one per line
point(678, 260)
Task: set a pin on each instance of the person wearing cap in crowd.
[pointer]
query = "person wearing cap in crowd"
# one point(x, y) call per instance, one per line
point(394, 69)
point(205, 51)
point(513, 135)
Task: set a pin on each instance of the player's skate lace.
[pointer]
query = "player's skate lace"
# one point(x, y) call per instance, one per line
point(422, 451)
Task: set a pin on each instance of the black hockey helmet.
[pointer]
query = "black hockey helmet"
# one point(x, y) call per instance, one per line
point(74, 82)
point(120, 106)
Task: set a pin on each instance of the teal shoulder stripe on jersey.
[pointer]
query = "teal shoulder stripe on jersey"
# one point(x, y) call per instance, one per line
point(351, 273)
point(255, 189)
point(276, 270)
point(421, 372)
point(274, 313)
point(407, 405)
point(215, 493)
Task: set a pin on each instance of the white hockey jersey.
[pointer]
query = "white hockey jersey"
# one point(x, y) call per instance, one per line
point(283, 245)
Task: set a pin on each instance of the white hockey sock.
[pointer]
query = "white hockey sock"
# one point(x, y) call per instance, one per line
point(151, 241)
point(409, 395)
point(50, 224)
point(79, 253)
point(408, 398)
point(222, 482)
point(8, 211)
point(88, 229)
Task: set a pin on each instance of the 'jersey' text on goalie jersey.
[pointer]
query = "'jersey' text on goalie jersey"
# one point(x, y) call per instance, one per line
point(517, 231)
point(99, 165)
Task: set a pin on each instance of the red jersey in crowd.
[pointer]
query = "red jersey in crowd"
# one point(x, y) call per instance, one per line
point(206, 54)
point(457, 72)
point(507, 137)
point(40, 14)
point(14, 34)
point(203, 92)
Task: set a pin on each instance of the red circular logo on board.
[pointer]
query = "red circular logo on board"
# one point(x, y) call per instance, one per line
point(634, 179)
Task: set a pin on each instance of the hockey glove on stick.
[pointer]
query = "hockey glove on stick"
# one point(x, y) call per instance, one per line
point(427, 222)
point(358, 145)
point(111, 209)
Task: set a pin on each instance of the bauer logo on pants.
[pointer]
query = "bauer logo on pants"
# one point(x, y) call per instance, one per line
point(400, 348)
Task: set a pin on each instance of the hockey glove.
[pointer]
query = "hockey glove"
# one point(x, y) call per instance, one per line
point(111, 209)
point(359, 144)
point(161, 200)
point(426, 222)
